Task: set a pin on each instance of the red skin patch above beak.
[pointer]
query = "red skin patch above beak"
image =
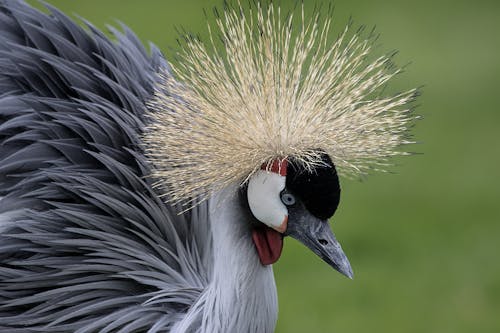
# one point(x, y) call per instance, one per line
point(277, 166)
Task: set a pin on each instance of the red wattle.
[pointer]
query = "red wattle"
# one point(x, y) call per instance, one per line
point(268, 243)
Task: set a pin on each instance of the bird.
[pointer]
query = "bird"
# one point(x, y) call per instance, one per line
point(142, 196)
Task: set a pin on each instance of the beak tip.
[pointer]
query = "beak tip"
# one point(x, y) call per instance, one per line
point(346, 271)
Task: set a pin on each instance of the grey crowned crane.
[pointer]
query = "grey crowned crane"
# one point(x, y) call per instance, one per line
point(143, 197)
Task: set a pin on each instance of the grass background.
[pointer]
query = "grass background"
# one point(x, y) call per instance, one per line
point(424, 242)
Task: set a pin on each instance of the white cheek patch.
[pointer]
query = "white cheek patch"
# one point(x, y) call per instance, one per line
point(264, 189)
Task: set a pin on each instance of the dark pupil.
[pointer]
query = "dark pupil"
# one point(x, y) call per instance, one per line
point(287, 199)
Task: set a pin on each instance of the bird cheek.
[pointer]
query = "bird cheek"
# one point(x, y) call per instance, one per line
point(264, 200)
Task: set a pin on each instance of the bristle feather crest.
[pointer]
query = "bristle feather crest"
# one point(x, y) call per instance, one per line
point(265, 94)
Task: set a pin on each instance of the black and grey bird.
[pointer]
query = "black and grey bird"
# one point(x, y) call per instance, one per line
point(141, 197)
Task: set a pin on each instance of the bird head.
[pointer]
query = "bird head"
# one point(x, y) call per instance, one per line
point(289, 200)
point(276, 106)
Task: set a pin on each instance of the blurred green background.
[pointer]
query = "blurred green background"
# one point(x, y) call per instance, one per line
point(424, 242)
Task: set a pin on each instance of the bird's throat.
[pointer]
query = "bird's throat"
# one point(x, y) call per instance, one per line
point(268, 243)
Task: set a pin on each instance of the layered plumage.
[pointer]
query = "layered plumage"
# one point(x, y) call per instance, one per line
point(89, 126)
point(86, 244)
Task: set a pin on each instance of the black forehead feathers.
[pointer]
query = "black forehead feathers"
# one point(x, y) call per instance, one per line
point(318, 189)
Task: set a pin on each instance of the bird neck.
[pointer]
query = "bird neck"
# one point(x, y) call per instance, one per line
point(241, 296)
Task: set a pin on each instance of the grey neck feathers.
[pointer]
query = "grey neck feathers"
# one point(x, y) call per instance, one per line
point(241, 296)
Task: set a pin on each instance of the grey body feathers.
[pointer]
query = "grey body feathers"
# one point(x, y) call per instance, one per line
point(86, 244)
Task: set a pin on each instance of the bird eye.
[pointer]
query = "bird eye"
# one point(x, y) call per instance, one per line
point(287, 198)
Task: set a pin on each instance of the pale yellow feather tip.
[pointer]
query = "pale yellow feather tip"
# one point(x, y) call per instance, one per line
point(265, 87)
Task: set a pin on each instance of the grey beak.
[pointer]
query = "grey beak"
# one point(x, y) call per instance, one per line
point(317, 235)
